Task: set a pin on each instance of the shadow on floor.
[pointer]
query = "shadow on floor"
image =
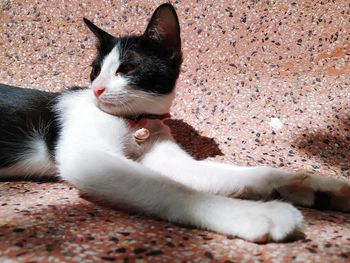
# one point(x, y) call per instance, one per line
point(34, 178)
point(62, 229)
point(200, 147)
point(331, 146)
point(59, 230)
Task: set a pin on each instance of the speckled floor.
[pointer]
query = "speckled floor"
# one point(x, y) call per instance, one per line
point(263, 83)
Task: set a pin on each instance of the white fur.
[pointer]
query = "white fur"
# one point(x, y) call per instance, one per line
point(35, 161)
point(84, 125)
point(248, 182)
point(100, 169)
point(112, 82)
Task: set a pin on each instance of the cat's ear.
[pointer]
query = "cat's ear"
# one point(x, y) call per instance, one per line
point(164, 27)
point(101, 35)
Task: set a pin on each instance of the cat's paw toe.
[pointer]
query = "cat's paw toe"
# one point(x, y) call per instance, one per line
point(318, 192)
point(274, 221)
point(340, 200)
point(284, 220)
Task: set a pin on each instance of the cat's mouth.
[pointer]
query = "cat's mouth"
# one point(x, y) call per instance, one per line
point(105, 104)
point(118, 107)
point(117, 103)
point(134, 103)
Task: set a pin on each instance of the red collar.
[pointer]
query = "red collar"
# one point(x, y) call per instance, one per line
point(137, 118)
point(141, 119)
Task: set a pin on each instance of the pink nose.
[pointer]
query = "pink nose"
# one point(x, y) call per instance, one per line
point(99, 91)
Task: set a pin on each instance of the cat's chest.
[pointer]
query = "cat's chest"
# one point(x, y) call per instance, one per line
point(115, 135)
point(90, 131)
point(87, 127)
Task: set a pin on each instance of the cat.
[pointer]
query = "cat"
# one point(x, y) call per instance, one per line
point(86, 136)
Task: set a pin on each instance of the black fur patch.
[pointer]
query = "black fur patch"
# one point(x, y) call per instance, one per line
point(156, 69)
point(22, 113)
point(275, 194)
point(322, 200)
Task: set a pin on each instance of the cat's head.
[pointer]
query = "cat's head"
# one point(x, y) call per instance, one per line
point(137, 74)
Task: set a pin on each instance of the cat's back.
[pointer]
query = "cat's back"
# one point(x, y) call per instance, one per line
point(25, 115)
point(25, 101)
point(24, 108)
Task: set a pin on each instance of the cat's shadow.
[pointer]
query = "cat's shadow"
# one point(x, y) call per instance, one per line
point(198, 146)
point(330, 146)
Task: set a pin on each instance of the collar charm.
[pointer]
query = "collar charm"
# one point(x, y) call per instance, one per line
point(141, 135)
point(139, 123)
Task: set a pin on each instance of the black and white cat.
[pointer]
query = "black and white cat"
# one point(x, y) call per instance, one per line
point(86, 137)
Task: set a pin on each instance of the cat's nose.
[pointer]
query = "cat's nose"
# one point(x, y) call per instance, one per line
point(99, 91)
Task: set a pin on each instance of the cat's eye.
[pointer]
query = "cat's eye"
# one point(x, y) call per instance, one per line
point(95, 72)
point(125, 69)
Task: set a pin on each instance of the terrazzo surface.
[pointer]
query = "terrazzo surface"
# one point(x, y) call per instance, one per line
point(263, 83)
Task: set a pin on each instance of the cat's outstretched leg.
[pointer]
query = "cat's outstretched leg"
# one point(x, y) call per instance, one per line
point(248, 182)
point(126, 183)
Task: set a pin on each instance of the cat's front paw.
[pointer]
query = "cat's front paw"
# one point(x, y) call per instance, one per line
point(258, 222)
point(318, 192)
point(271, 222)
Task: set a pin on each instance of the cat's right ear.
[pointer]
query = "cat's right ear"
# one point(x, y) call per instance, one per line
point(101, 35)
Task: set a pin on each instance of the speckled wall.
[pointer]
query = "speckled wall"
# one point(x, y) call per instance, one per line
point(267, 80)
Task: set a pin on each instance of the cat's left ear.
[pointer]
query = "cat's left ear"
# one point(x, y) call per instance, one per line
point(164, 27)
point(101, 35)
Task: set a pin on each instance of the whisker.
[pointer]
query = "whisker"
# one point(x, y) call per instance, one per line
point(127, 107)
point(141, 97)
